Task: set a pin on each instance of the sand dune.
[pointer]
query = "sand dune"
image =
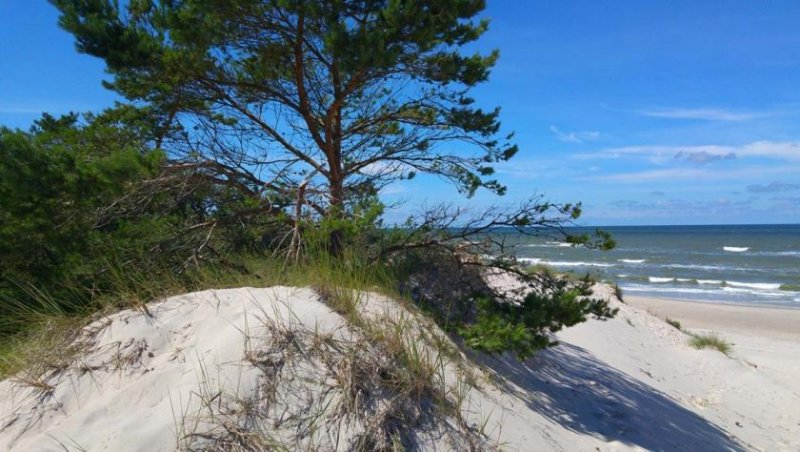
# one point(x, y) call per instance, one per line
point(165, 380)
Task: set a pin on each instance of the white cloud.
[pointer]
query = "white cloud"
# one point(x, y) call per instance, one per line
point(707, 114)
point(703, 157)
point(693, 174)
point(786, 151)
point(574, 137)
point(771, 149)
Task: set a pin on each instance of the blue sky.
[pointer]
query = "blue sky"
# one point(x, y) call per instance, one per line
point(681, 112)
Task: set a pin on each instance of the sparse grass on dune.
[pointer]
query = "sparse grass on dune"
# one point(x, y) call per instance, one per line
point(401, 357)
point(674, 323)
point(382, 378)
point(48, 328)
point(415, 361)
point(700, 341)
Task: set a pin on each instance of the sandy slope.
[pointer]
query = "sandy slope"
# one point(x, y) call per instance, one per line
point(628, 383)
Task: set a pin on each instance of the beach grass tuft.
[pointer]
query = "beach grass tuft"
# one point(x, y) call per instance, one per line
point(618, 292)
point(701, 341)
point(674, 323)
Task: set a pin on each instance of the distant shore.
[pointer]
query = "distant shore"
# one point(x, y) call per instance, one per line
point(764, 321)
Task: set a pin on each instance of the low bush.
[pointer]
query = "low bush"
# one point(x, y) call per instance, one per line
point(456, 294)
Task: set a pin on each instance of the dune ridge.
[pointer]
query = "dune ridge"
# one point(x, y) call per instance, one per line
point(179, 375)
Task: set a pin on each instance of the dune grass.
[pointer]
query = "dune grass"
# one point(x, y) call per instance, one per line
point(408, 359)
point(674, 323)
point(701, 341)
point(48, 327)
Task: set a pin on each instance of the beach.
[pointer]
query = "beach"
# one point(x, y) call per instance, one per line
point(765, 337)
point(747, 321)
point(751, 392)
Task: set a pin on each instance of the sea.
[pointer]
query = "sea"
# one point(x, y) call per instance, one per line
point(747, 264)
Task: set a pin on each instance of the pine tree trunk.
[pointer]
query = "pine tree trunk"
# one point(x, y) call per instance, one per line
point(336, 212)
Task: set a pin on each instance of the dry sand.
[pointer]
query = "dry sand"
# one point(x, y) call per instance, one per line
point(630, 383)
point(767, 337)
point(760, 321)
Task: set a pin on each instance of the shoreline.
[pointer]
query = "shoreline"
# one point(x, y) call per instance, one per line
point(705, 301)
point(776, 322)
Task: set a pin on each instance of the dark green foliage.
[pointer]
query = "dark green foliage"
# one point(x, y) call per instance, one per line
point(347, 95)
point(523, 328)
point(454, 292)
point(52, 181)
point(87, 205)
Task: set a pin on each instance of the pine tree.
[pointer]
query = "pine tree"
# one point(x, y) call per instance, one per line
point(328, 100)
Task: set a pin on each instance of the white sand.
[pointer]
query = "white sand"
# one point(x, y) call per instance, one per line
point(628, 383)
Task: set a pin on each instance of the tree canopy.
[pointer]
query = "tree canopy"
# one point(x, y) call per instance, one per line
point(338, 98)
point(263, 128)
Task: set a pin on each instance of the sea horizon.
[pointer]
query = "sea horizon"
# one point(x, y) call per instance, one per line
point(738, 264)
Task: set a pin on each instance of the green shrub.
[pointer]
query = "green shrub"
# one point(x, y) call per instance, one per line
point(523, 328)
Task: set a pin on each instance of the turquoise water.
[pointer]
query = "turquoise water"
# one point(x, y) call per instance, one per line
point(736, 264)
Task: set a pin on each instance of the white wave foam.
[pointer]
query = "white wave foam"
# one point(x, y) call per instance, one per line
point(707, 292)
point(578, 264)
point(632, 261)
point(752, 292)
point(735, 249)
point(711, 293)
point(549, 245)
point(655, 279)
point(701, 267)
point(709, 281)
point(778, 253)
point(758, 286)
point(684, 279)
point(669, 290)
point(536, 260)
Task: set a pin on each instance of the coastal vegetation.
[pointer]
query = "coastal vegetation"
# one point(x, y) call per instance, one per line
point(674, 323)
point(252, 148)
point(700, 341)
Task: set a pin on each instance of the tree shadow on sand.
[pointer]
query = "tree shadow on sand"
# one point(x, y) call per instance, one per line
point(576, 390)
